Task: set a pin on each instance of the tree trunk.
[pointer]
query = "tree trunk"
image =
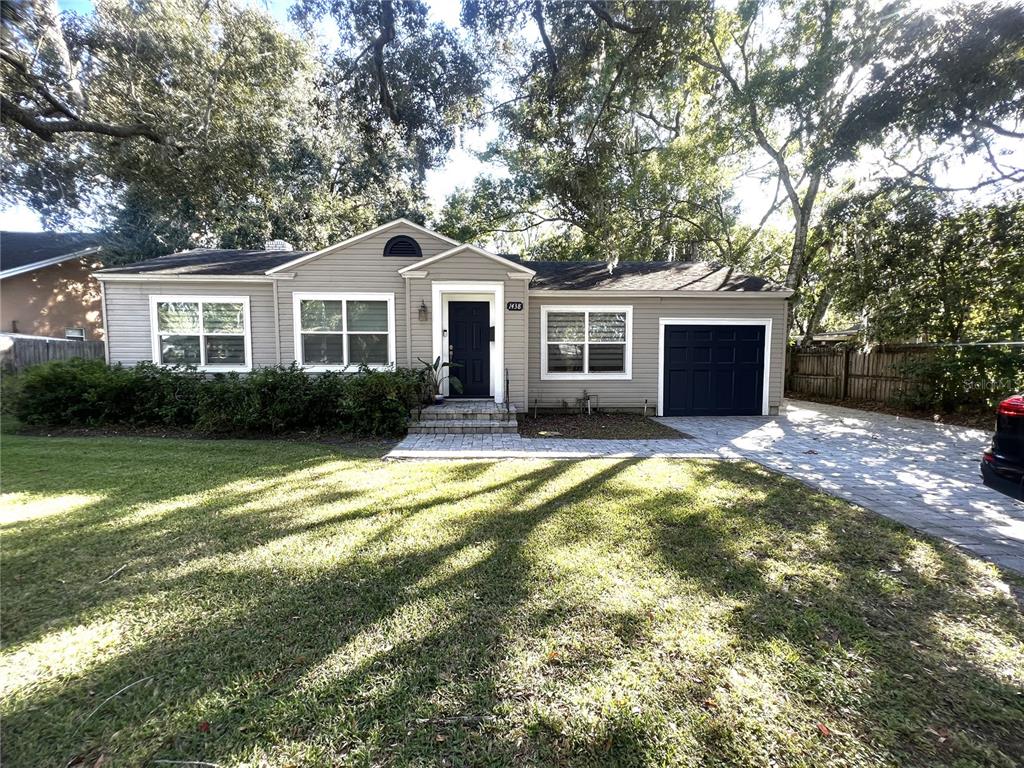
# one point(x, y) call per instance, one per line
point(820, 308)
point(798, 256)
point(795, 273)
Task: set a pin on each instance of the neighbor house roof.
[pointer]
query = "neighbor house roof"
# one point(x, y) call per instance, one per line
point(644, 276)
point(550, 275)
point(22, 252)
point(209, 261)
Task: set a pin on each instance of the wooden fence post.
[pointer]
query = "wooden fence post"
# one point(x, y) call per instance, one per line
point(844, 387)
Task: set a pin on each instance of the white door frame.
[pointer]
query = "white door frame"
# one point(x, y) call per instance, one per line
point(494, 293)
point(666, 321)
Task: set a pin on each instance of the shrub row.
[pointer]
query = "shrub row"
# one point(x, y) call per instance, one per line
point(961, 378)
point(90, 393)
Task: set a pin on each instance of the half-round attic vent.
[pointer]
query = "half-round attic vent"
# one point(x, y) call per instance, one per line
point(403, 247)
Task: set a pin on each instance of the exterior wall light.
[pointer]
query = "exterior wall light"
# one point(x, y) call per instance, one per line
point(423, 312)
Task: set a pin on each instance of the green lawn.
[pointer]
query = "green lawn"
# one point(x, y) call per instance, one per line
point(285, 604)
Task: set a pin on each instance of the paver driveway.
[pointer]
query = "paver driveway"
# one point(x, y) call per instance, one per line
point(922, 474)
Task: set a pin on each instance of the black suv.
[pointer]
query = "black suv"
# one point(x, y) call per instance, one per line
point(1002, 465)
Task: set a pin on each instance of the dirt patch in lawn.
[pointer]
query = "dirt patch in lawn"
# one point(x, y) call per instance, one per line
point(598, 426)
point(982, 418)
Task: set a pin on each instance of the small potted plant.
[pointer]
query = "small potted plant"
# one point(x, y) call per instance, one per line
point(436, 377)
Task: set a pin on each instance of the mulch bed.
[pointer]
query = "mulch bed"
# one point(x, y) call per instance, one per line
point(599, 426)
point(976, 419)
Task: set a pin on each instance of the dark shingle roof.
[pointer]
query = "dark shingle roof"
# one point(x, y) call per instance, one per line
point(551, 275)
point(209, 261)
point(643, 276)
point(20, 249)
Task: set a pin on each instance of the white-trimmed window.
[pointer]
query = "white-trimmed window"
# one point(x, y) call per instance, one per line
point(211, 333)
point(586, 342)
point(334, 331)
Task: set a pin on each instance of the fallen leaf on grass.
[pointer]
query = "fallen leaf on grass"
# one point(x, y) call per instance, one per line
point(823, 730)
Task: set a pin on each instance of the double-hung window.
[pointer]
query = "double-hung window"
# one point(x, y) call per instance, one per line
point(586, 342)
point(334, 331)
point(211, 333)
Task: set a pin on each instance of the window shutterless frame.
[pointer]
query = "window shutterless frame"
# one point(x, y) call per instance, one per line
point(298, 298)
point(586, 310)
point(154, 326)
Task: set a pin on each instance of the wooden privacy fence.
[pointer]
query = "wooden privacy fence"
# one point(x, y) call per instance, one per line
point(846, 373)
point(20, 352)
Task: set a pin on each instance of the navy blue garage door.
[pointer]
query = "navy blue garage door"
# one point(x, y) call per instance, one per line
point(713, 370)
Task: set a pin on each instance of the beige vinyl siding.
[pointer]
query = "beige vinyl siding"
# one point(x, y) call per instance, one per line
point(647, 311)
point(357, 268)
point(129, 339)
point(469, 268)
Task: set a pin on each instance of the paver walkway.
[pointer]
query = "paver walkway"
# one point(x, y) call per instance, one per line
point(921, 474)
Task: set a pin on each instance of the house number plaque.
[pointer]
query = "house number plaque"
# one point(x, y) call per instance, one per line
point(514, 306)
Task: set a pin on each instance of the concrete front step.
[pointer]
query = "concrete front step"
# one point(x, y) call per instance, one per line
point(463, 427)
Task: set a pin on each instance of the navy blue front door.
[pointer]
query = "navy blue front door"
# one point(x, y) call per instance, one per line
point(713, 370)
point(469, 347)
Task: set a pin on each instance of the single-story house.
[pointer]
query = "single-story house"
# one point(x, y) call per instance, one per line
point(674, 338)
point(46, 286)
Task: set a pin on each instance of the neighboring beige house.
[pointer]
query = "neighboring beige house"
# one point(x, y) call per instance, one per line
point(685, 338)
point(47, 287)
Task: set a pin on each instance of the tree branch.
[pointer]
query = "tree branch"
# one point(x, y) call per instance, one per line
point(601, 11)
point(538, 15)
point(47, 129)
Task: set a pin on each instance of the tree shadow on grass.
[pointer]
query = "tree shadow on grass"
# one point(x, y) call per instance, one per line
point(380, 642)
point(205, 515)
point(475, 640)
point(854, 606)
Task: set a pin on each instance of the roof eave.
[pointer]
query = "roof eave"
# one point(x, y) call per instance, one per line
point(619, 292)
point(15, 271)
point(138, 277)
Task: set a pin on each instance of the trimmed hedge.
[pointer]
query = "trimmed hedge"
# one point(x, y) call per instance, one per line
point(89, 393)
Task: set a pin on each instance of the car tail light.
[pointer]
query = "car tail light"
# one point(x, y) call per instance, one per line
point(988, 457)
point(1012, 406)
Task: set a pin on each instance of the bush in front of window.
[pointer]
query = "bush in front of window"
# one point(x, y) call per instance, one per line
point(375, 402)
point(270, 401)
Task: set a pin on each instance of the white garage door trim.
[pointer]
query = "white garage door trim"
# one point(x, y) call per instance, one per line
point(663, 322)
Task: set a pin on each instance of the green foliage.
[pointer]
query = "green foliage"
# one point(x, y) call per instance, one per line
point(378, 402)
point(270, 401)
point(953, 75)
point(258, 135)
point(605, 140)
point(435, 376)
point(398, 75)
point(964, 378)
point(913, 267)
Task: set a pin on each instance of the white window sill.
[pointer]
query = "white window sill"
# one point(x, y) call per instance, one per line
point(586, 376)
point(212, 368)
point(345, 368)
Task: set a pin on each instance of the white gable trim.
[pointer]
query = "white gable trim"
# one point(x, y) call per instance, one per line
point(472, 249)
point(356, 239)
